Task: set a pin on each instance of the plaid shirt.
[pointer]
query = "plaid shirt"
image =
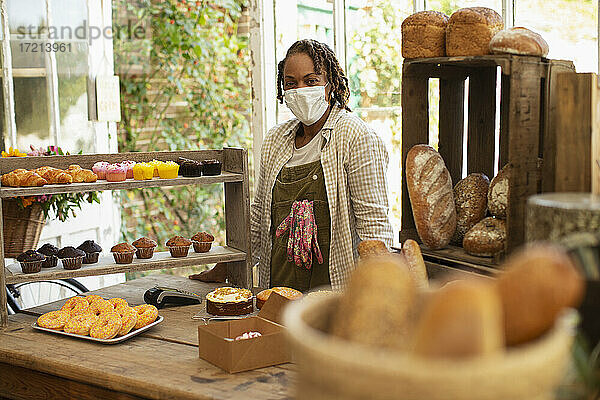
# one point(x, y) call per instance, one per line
point(354, 161)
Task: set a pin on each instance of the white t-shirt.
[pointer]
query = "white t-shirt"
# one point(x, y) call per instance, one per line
point(308, 153)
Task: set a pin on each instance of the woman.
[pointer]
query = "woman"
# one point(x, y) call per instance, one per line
point(322, 180)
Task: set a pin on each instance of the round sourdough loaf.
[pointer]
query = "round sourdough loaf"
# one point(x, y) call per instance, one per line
point(470, 30)
point(431, 197)
point(470, 199)
point(485, 238)
point(519, 40)
point(424, 35)
point(498, 193)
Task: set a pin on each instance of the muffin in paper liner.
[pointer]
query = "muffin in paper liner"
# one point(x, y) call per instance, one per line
point(31, 267)
point(72, 262)
point(144, 253)
point(123, 257)
point(179, 251)
point(50, 262)
point(91, 258)
point(202, 247)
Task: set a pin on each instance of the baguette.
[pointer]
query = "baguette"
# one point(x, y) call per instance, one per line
point(415, 263)
point(431, 196)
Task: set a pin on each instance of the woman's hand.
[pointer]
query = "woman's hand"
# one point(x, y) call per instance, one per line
point(217, 274)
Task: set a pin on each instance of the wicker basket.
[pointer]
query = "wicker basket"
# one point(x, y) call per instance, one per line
point(22, 227)
point(332, 368)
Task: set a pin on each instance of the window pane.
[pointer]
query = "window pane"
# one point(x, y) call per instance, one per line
point(449, 6)
point(573, 36)
point(31, 112)
point(375, 72)
point(300, 19)
point(75, 129)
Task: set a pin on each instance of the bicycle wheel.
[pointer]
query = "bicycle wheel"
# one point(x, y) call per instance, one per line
point(31, 294)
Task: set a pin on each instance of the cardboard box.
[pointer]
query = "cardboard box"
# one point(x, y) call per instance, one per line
point(216, 342)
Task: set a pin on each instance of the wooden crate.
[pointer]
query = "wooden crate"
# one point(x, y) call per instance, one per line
point(526, 103)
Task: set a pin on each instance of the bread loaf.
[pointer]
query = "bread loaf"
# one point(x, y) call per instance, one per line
point(470, 199)
point(461, 319)
point(431, 196)
point(537, 283)
point(498, 193)
point(485, 238)
point(470, 31)
point(416, 266)
point(375, 306)
point(424, 35)
point(519, 40)
point(367, 248)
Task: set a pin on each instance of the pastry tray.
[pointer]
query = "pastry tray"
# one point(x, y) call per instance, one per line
point(104, 341)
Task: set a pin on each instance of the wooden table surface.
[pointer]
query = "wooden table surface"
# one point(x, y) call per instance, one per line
point(162, 363)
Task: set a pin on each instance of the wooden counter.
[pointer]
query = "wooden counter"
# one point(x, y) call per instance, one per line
point(161, 363)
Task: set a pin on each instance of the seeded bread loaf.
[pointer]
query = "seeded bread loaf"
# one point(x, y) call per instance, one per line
point(424, 35)
point(470, 31)
point(431, 196)
point(519, 40)
point(470, 199)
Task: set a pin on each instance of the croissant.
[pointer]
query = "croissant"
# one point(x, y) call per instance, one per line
point(21, 178)
point(81, 175)
point(54, 175)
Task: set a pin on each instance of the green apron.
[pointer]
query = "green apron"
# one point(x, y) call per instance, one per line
point(303, 182)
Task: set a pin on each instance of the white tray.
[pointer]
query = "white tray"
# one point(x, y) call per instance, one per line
point(104, 341)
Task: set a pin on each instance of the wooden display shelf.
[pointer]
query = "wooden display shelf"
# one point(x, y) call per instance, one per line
point(234, 176)
point(528, 97)
point(106, 265)
point(7, 192)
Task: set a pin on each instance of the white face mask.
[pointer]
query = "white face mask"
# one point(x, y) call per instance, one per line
point(308, 104)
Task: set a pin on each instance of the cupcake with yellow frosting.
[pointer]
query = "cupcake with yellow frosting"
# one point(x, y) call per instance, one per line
point(168, 170)
point(143, 171)
point(155, 164)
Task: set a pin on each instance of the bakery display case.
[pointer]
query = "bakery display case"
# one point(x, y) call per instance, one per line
point(233, 176)
point(527, 139)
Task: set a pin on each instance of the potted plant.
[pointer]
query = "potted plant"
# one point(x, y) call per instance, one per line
point(24, 217)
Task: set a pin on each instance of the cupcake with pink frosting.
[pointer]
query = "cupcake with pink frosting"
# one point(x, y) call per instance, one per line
point(129, 165)
point(100, 169)
point(116, 173)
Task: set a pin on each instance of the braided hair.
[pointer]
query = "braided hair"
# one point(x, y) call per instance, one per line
point(324, 60)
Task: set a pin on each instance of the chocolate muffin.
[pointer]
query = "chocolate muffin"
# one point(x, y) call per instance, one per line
point(145, 247)
point(51, 253)
point(31, 261)
point(123, 253)
point(211, 167)
point(190, 168)
point(92, 251)
point(179, 246)
point(71, 257)
point(202, 242)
